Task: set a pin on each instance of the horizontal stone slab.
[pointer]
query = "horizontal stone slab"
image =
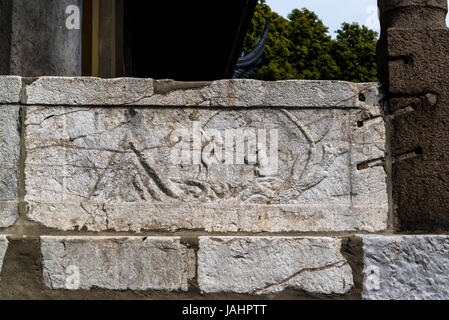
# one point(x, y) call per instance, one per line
point(9, 163)
point(10, 88)
point(144, 216)
point(267, 265)
point(117, 263)
point(3, 249)
point(223, 93)
point(87, 91)
point(406, 267)
point(264, 169)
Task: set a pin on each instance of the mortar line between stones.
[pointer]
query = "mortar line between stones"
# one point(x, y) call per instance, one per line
point(169, 106)
point(389, 166)
point(190, 235)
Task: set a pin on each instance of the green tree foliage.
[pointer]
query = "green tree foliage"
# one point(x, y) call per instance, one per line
point(300, 48)
point(355, 53)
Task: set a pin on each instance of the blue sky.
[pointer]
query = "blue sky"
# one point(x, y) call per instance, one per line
point(333, 12)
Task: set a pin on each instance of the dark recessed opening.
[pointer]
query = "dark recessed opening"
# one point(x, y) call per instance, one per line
point(197, 40)
point(362, 97)
point(418, 151)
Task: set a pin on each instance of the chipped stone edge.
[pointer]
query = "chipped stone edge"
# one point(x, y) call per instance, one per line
point(75, 91)
point(10, 89)
point(11, 208)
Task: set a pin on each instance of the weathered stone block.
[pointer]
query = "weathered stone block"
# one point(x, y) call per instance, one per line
point(223, 93)
point(227, 170)
point(3, 248)
point(9, 164)
point(10, 87)
point(117, 263)
point(266, 265)
point(406, 267)
point(88, 91)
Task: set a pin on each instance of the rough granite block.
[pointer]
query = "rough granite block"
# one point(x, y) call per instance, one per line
point(406, 267)
point(117, 263)
point(9, 163)
point(10, 87)
point(267, 265)
point(267, 169)
point(222, 93)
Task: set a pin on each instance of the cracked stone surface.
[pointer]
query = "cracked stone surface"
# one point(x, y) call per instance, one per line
point(3, 248)
point(117, 263)
point(266, 265)
point(9, 164)
point(10, 87)
point(122, 168)
point(223, 93)
point(87, 91)
point(406, 267)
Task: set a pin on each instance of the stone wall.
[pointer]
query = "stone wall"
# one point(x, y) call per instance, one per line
point(149, 189)
point(135, 188)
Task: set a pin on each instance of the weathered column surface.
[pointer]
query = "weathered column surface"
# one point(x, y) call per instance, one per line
point(40, 38)
point(413, 54)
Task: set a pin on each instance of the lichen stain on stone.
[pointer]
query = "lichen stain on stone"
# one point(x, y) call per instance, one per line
point(164, 87)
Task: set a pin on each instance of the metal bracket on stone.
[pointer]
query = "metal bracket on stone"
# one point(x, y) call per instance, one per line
point(413, 55)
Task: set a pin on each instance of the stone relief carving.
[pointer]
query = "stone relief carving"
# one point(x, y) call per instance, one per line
point(217, 169)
